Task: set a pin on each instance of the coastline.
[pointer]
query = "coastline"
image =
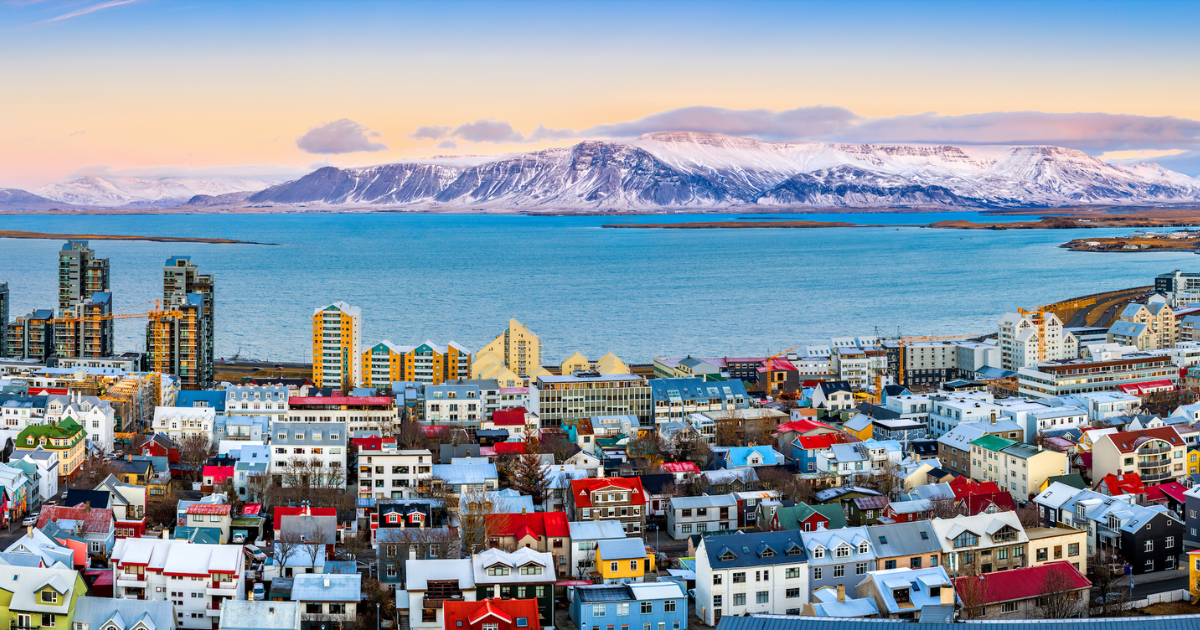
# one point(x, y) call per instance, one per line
point(116, 237)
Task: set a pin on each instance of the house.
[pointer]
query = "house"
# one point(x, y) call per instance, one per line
point(1018, 468)
point(726, 481)
point(828, 602)
point(905, 545)
point(747, 503)
point(395, 547)
point(211, 516)
point(213, 477)
point(41, 597)
point(904, 593)
point(618, 499)
point(786, 433)
point(808, 518)
point(701, 514)
point(98, 525)
point(1115, 485)
point(329, 601)
point(1157, 455)
point(126, 500)
point(838, 557)
point(430, 586)
point(259, 615)
point(623, 560)
point(833, 396)
point(585, 538)
point(281, 511)
point(1015, 594)
point(522, 574)
point(648, 605)
point(750, 457)
point(751, 573)
point(865, 510)
point(47, 550)
point(1057, 544)
point(180, 422)
point(659, 487)
point(309, 453)
point(545, 532)
point(978, 497)
point(466, 474)
point(47, 465)
point(106, 613)
point(806, 447)
point(492, 614)
point(518, 420)
point(66, 438)
point(150, 569)
point(981, 543)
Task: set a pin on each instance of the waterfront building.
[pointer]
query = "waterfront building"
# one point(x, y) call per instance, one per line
point(588, 394)
point(928, 364)
point(337, 331)
point(692, 367)
point(83, 291)
point(183, 344)
point(308, 453)
point(31, 336)
point(517, 349)
point(1027, 339)
point(383, 364)
point(1074, 376)
point(1181, 289)
point(1149, 326)
point(764, 573)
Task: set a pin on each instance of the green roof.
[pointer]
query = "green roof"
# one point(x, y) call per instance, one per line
point(790, 517)
point(1074, 480)
point(66, 430)
point(993, 443)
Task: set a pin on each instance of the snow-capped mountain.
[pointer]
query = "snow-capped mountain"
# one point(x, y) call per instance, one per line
point(696, 170)
point(140, 191)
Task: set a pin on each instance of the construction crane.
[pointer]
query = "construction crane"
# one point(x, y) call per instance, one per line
point(907, 340)
point(159, 320)
point(1038, 320)
point(767, 364)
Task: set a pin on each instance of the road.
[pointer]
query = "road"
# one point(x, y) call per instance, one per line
point(1095, 313)
point(1141, 591)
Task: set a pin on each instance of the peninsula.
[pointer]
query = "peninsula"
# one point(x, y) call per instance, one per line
point(117, 237)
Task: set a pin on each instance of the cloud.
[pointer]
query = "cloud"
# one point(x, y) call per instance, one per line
point(764, 124)
point(272, 172)
point(447, 144)
point(430, 132)
point(1187, 162)
point(76, 133)
point(91, 9)
point(543, 133)
point(494, 131)
point(339, 136)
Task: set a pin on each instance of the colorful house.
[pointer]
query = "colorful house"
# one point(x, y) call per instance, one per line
point(623, 559)
point(806, 447)
point(635, 605)
point(65, 437)
point(41, 598)
point(492, 614)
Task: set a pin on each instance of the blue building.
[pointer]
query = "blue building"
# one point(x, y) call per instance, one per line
point(677, 398)
point(201, 398)
point(634, 606)
point(750, 457)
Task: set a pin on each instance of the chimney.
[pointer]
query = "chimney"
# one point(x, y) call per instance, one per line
point(841, 592)
point(129, 457)
point(326, 582)
point(947, 594)
point(993, 418)
point(29, 531)
point(522, 511)
point(412, 552)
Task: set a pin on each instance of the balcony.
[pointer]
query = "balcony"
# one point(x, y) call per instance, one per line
point(1154, 451)
point(130, 580)
point(228, 589)
point(1156, 463)
point(213, 610)
point(1156, 476)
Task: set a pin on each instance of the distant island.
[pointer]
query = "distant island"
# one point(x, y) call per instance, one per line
point(116, 237)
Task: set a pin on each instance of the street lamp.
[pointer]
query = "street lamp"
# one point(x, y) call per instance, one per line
point(376, 615)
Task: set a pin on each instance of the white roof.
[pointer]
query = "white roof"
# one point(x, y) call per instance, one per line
point(179, 556)
point(421, 571)
point(655, 590)
point(344, 307)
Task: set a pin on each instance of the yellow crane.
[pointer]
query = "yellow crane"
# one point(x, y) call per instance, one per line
point(767, 364)
point(160, 321)
point(907, 340)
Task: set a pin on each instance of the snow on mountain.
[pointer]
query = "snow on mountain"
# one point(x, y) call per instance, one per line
point(139, 191)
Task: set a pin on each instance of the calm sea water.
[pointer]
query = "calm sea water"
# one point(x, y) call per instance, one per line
point(638, 293)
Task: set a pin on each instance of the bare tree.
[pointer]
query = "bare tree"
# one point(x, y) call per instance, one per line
point(134, 445)
point(1057, 594)
point(690, 446)
point(164, 511)
point(284, 546)
point(727, 429)
point(942, 507)
point(412, 436)
point(788, 486)
point(259, 489)
point(649, 446)
point(355, 544)
point(1107, 568)
point(194, 450)
point(1028, 515)
point(557, 444)
point(93, 472)
point(972, 592)
point(312, 544)
point(375, 597)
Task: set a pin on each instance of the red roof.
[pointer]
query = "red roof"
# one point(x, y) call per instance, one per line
point(370, 443)
point(681, 467)
point(209, 508)
point(1128, 441)
point(1129, 483)
point(1163, 491)
point(776, 364)
point(977, 503)
point(582, 489)
point(300, 401)
point(514, 417)
point(95, 521)
point(1141, 389)
point(811, 442)
point(1085, 460)
point(514, 390)
point(964, 487)
point(281, 512)
point(218, 473)
point(504, 448)
point(1017, 584)
point(251, 509)
point(540, 525)
point(802, 426)
point(490, 610)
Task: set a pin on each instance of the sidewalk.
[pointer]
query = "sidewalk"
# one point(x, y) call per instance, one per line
point(1160, 576)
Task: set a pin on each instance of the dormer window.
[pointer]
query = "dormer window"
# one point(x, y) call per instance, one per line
point(728, 555)
point(842, 551)
point(863, 547)
point(900, 595)
point(393, 517)
point(497, 570)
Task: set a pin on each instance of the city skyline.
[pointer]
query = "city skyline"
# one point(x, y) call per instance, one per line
point(271, 90)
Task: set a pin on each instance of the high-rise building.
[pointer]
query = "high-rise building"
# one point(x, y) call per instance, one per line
point(31, 336)
point(83, 292)
point(514, 355)
point(1027, 339)
point(386, 363)
point(184, 344)
point(337, 329)
point(4, 316)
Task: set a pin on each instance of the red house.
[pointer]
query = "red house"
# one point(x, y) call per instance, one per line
point(620, 499)
point(493, 614)
point(509, 448)
point(358, 445)
point(281, 512)
point(978, 497)
point(1115, 485)
point(159, 445)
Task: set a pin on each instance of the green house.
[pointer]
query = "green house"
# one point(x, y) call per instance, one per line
point(39, 598)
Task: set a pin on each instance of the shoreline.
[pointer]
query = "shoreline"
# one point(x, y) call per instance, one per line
point(116, 237)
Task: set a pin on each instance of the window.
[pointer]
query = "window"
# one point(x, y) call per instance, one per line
point(1008, 607)
point(633, 565)
point(716, 578)
point(1073, 549)
point(793, 572)
point(914, 563)
point(819, 552)
point(613, 566)
point(739, 577)
point(669, 605)
point(1148, 546)
point(49, 597)
point(793, 593)
point(1170, 542)
point(647, 608)
point(739, 599)
point(900, 595)
point(817, 573)
point(522, 622)
point(716, 602)
point(863, 547)
point(860, 568)
point(497, 570)
point(598, 610)
point(622, 610)
point(843, 551)
point(839, 571)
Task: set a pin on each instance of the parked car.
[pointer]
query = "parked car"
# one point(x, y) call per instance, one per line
point(260, 593)
point(29, 520)
point(239, 538)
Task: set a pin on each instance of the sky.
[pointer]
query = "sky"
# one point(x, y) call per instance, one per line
point(272, 90)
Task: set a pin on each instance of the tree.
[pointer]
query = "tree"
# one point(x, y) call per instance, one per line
point(412, 437)
point(727, 430)
point(690, 446)
point(650, 446)
point(788, 486)
point(312, 544)
point(530, 478)
point(355, 544)
point(972, 590)
point(163, 511)
point(375, 597)
point(230, 491)
point(93, 472)
point(557, 444)
point(1107, 568)
point(134, 446)
point(259, 489)
point(283, 548)
point(942, 507)
point(506, 468)
point(1057, 597)
point(1028, 515)
point(194, 450)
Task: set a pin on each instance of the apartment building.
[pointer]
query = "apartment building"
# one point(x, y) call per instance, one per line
point(257, 400)
point(652, 605)
point(688, 515)
point(358, 413)
point(1076, 376)
point(755, 573)
point(1018, 468)
point(83, 291)
point(459, 405)
point(386, 363)
point(947, 412)
point(197, 579)
point(838, 557)
point(517, 349)
point(383, 364)
point(183, 345)
point(393, 473)
point(1156, 455)
point(31, 336)
point(337, 333)
point(587, 394)
point(609, 499)
point(1027, 339)
point(308, 452)
point(5, 304)
point(983, 543)
point(677, 398)
point(178, 423)
point(1149, 326)
point(929, 363)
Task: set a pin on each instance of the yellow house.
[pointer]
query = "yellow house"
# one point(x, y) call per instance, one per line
point(518, 350)
point(859, 426)
point(383, 364)
point(575, 362)
point(619, 558)
point(1194, 573)
point(65, 437)
point(489, 366)
point(1193, 460)
point(1057, 544)
point(607, 364)
point(1089, 438)
point(42, 598)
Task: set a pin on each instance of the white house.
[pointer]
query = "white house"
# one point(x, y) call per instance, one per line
point(393, 473)
point(196, 578)
point(256, 400)
point(759, 573)
point(696, 515)
point(316, 447)
point(180, 422)
point(47, 464)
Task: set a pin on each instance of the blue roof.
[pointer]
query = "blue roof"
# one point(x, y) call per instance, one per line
point(745, 550)
point(621, 548)
point(326, 587)
point(456, 475)
point(739, 455)
point(189, 398)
